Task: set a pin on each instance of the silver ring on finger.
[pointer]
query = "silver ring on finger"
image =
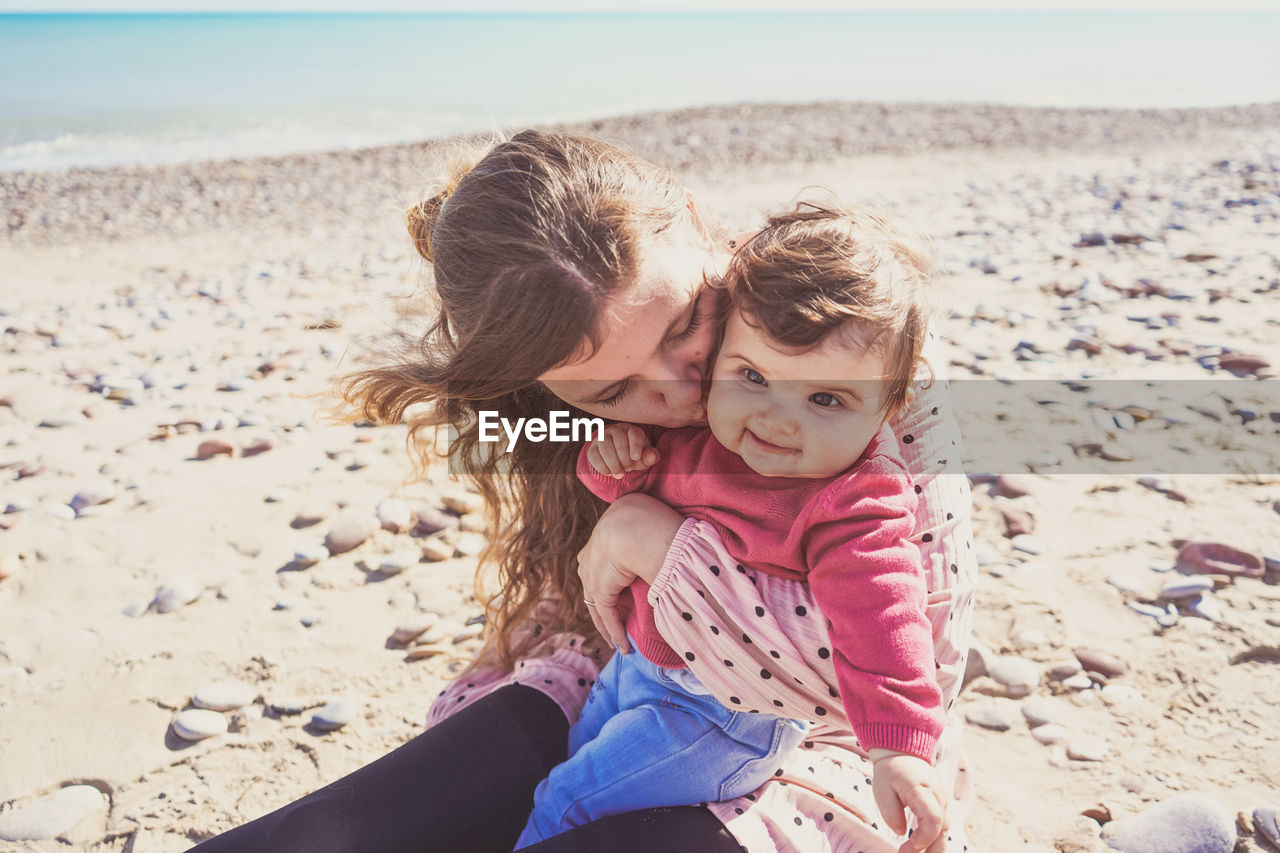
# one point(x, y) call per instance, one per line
point(588, 603)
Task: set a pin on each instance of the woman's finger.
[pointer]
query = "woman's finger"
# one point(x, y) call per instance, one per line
point(616, 632)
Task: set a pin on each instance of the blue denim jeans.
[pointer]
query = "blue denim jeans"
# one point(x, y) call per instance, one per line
point(650, 737)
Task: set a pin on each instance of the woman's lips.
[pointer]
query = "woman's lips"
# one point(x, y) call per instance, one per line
point(768, 446)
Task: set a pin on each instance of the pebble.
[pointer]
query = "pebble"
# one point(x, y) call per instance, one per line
point(197, 724)
point(94, 494)
point(1029, 639)
point(1150, 610)
point(1064, 669)
point(436, 549)
point(1161, 565)
point(172, 596)
point(1188, 823)
point(224, 696)
point(49, 816)
point(1015, 485)
point(335, 715)
point(133, 611)
point(1131, 782)
point(1120, 694)
point(989, 718)
point(310, 555)
point(470, 544)
point(468, 632)
point(462, 502)
point(1218, 558)
point(1040, 710)
point(1078, 682)
point(350, 533)
point(212, 447)
point(1050, 733)
point(309, 515)
point(407, 632)
point(1187, 587)
point(432, 520)
point(64, 418)
point(395, 515)
point(1127, 584)
point(290, 706)
point(1267, 822)
point(394, 564)
point(1027, 543)
point(261, 444)
point(1087, 748)
point(1103, 663)
point(1017, 522)
point(1206, 606)
point(1016, 675)
point(57, 510)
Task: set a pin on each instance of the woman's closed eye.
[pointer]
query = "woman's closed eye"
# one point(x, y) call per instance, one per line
point(696, 319)
point(616, 397)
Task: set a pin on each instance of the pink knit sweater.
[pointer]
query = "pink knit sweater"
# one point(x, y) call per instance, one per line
point(846, 536)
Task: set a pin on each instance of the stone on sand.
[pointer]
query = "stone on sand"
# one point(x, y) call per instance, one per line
point(224, 695)
point(335, 715)
point(1188, 823)
point(1018, 676)
point(350, 533)
point(198, 723)
point(51, 815)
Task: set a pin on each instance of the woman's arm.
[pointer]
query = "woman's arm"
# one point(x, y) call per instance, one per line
point(630, 541)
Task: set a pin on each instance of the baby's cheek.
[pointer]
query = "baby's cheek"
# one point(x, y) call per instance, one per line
point(723, 412)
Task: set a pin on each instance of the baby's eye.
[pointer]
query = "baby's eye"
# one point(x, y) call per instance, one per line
point(825, 400)
point(752, 376)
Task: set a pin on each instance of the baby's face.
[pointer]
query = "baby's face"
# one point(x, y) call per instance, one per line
point(790, 414)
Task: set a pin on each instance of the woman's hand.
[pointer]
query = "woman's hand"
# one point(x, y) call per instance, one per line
point(630, 541)
point(906, 782)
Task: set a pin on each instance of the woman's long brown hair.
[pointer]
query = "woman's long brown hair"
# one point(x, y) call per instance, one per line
point(527, 243)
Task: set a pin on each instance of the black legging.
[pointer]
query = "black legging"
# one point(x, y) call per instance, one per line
point(465, 786)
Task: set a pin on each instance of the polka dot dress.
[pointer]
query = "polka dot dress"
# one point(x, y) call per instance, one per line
point(759, 643)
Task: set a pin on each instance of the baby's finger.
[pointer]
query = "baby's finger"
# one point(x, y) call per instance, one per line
point(649, 457)
point(890, 808)
point(928, 813)
point(637, 441)
point(609, 457)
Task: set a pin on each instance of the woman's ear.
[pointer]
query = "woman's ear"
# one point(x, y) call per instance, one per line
point(698, 225)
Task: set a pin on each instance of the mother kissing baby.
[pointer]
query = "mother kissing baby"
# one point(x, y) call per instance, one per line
point(572, 272)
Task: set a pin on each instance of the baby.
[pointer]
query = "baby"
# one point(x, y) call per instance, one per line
point(826, 317)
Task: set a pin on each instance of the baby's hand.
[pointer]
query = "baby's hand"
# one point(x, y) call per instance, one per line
point(902, 780)
point(625, 447)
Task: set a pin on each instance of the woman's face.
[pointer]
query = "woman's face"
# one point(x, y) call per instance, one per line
point(658, 338)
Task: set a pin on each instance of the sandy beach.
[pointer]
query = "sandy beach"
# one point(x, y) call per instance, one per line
point(168, 485)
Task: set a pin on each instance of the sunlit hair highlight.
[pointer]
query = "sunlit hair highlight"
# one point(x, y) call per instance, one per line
point(834, 267)
point(529, 239)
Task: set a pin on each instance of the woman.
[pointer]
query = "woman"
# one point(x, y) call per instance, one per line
point(570, 272)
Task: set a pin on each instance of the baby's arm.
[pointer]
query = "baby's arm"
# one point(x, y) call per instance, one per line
point(866, 576)
point(619, 463)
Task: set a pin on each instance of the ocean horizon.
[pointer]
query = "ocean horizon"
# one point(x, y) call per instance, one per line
point(93, 90)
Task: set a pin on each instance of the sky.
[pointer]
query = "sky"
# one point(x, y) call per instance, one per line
point(622, 5)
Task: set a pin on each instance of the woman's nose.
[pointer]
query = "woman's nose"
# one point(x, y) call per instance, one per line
point(680, 383)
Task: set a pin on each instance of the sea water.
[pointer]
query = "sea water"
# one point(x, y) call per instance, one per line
point(92, 89)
